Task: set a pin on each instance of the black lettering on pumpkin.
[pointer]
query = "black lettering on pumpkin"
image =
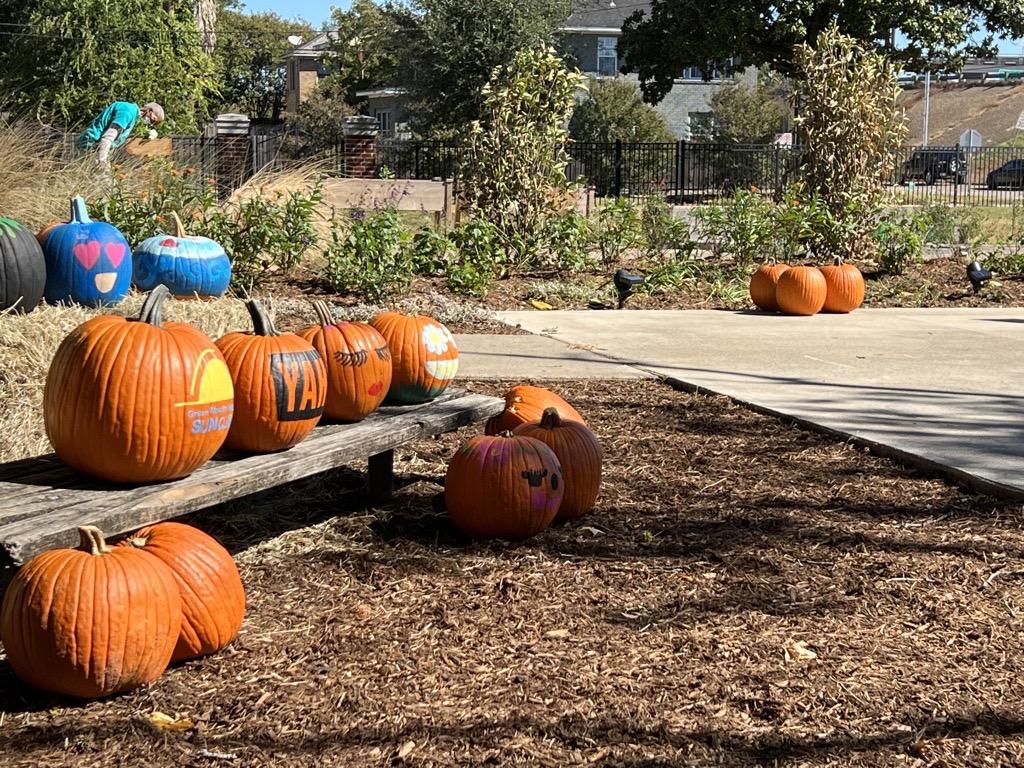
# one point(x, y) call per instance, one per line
point(535, 477)
point(296, 388)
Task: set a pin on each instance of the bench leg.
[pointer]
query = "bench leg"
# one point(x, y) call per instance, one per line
point(380, 480)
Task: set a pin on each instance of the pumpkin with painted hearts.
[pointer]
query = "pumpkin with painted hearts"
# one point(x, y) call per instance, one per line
point(801, 291)
point(87, 262)
point(763, 284)
point(358, 365)
point(844, 287)
point(579, 454)
point(505, 486)
point(188, 265)
point(137, 400)
point(424, 357)
point(212, 596)
point(280, 385)
point(91, 621)
point(22, 268)
point(525, 404)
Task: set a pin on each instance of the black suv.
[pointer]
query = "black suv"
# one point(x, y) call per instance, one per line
point(930, 165)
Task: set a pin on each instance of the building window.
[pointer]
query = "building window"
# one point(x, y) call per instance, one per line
point(383, 120)
point(607, 56)
point(697, 73)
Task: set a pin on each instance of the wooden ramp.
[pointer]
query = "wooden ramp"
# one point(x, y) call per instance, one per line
point(42, 501)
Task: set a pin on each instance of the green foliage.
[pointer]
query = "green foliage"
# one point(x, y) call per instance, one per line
point(262, 233)
point(475, 258)
point(319, 122)
point(852, 128)
point(455, 49)
point(616, 229)
point(900, 241)
point(745, 115)
point(946, 224)
point(431, 252)
point(567, 239)
point(514, 174)
point(76, 56)
point(676, 34)
point(370, 255)
point(744, 226)
point(615, 110)
point(249, 61)
point(659, 229)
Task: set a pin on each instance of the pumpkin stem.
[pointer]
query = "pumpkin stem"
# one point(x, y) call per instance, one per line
point(838, 261)
point(179, 228)
point(323, 312)
point(550, 419)
point(79, 213)
point(152, 311)
point(261, 322)
point(92, 541)
point(139, 542)
point(506, 433)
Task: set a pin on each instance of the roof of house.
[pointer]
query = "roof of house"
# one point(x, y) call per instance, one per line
point(602, 14)
point(313, 47)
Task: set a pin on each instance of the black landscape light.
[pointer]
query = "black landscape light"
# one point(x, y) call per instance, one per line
point(625, 282)
point(978, 276)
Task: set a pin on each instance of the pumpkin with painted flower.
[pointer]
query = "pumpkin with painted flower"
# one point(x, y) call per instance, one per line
point(424, 357)
point(186, 264)
point(87, 262)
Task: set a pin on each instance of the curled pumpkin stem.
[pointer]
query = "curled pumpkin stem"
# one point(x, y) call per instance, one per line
point(550, 419)
point(91, 540)
point(152, 311)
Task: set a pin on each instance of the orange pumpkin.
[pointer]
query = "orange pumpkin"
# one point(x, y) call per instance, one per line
point(762, 285)
point(505, 487)
point(844, 287)
point(579, 454)
point(212, 596)
point(358, 365)
point(801, 291)
point(525, 404)
point(44, 233)
point(424, 358)
point(137, 401)
point(280, 385)
point(91, 621)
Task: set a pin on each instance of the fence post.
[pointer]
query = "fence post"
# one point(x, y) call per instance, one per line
point(618, 168)
point(680, 169)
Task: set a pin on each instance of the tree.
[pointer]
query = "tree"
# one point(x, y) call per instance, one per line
point(250, 61)
point(745, 115)
point(731, 34)
point(73, 57)
point(459, 44)
point(615, 110)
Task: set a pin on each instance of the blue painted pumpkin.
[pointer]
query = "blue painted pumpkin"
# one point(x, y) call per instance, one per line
point(187, 265)
point(87, 262)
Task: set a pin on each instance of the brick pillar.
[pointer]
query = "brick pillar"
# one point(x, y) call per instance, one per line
point(234, 164)
point(360, 160)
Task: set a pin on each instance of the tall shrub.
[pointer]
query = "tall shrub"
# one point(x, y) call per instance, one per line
point(514, 175)
point(852, 128)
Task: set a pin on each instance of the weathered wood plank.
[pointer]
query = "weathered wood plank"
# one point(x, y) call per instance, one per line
point(118, 509)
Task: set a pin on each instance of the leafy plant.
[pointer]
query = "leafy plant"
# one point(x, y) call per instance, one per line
point(476, 257)
point(370, 255)
point(567, 240)
point(743, 226)
point(616, 229)
point(659, 229)
point(900, 240)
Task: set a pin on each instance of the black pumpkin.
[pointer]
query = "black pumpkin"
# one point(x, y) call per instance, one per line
point(22, 267)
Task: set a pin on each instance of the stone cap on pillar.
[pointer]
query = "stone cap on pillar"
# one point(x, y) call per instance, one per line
point(229, 124)
point(360, 125)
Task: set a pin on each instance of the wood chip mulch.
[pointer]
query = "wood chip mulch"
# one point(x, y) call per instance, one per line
point(745, 594)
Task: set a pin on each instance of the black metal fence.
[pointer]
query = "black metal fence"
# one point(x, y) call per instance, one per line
point(419, 159)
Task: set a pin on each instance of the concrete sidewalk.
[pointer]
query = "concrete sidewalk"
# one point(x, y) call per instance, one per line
point(939, 387)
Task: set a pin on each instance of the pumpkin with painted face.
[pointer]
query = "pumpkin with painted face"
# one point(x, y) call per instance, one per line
point(424, 357)
point(358, 365)
point(280, 385)
point(188, 265)
point(22, 268)
point(87, 262)
point(137, 400)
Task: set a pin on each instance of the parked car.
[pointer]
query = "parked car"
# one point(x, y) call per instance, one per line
point(1009, 174)
point(930, 165)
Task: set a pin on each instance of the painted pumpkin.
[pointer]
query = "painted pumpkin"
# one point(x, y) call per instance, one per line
point(212, 596)
point(504, 486)
point(22, 268)
point(91, 621)
point(844, 287)
point(87, 262)
point(358, 365)
point(280, 386)
point(763, 283)
point(137, 400)
point(579, 454)
point(525, 404)
point(424, 358)
point(188, 265)
point(801, 291)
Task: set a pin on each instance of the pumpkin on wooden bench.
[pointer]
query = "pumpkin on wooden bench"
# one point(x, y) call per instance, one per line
point(424, 357)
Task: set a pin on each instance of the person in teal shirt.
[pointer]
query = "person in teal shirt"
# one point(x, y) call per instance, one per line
point(115, 124)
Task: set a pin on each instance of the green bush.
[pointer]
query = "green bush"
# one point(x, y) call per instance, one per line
point(616, 229)
point(900, 241)
point(660, 231)
point(370, 256)
point(567, 242)
point(744, 226)
point(431, 252)
point(476, 257)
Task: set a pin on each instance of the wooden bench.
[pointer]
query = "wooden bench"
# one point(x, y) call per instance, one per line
point(42, 501)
